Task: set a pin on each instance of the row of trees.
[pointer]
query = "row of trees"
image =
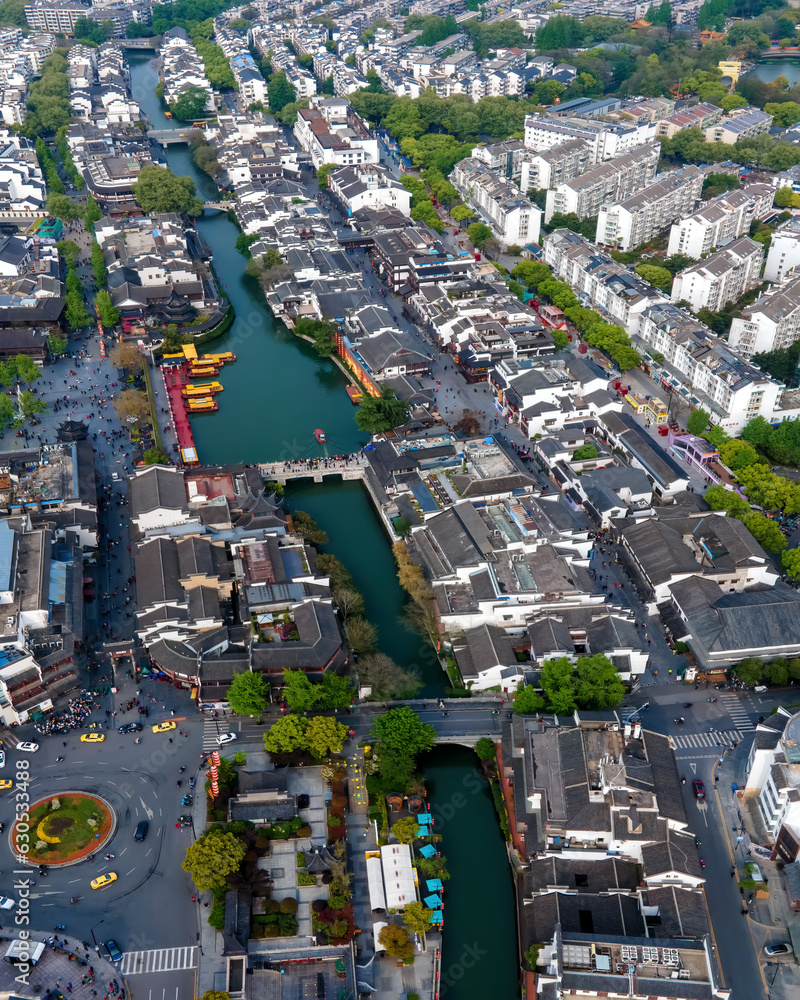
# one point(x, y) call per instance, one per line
point(215, 63)
point(48, 107)
point(69, 164)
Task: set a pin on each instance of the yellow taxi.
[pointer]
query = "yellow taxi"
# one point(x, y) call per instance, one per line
point(164, 727)
point(6, 783)
point(92, 737)
point(103, 880)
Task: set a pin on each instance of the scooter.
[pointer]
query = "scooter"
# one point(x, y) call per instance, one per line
point(683, 780)
point(711, 699)
point(702, 863)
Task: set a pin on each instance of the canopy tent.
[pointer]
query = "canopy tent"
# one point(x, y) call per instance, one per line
point(433, 902)
point(427, 851)
point(434, 885)
point(437, 918)
point(424, 819)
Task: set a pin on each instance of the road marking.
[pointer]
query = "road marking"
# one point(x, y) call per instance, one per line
point(691, 740)
point(158, 960)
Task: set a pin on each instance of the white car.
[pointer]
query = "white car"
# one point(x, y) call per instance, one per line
point(6, 903)
point(2, 758)
point(27, 747)
point(226, 738)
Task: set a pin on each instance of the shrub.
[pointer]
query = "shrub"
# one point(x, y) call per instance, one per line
point(262, 843)
point(289, 905)
point(337, 902)
point(301, 859)
point(272, 906)
point(306, 878)
point(304, 831)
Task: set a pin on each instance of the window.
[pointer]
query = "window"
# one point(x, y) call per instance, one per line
point(581, 880)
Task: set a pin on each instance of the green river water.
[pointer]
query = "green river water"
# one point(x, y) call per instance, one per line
point(275, 395)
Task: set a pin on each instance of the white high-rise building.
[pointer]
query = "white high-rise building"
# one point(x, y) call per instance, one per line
point(719, 220)
point(607, 182)
point(722, 277)
point(770, 323)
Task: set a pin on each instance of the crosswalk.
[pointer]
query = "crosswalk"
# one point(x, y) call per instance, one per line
point(210, 731)
point(158, 960)
point(736, 710)
point(697, 740)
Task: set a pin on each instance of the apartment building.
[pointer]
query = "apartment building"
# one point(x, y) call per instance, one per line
point(742, 123)
point(771, 322)
point(610, 287)
point(722, 219)
point(641, 217)
point(606, 141)
point(331, 132)
point(784, 252)
point(699, 116)
point(706, 370)
point(505, 158)
point(555, 166)
point(56, 16)
point(513, 217)
point(722, 277)
point(252, 85)
point(614, 181)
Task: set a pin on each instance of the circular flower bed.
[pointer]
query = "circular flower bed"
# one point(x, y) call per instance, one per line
point(63, 828)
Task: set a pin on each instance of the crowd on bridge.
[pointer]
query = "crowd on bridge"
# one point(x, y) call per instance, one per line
point(311, 464)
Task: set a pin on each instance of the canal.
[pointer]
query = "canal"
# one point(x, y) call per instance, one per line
point(275, 395)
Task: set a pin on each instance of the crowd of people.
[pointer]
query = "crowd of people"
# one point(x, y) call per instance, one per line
point(75, 716)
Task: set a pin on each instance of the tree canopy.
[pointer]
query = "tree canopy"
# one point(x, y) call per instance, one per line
point(191, 104)
point(248, 694)
point(212, 857)
point(158, 190)
point(381, 413)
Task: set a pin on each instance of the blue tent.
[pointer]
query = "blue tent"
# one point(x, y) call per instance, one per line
point(437, 918)
point(434, 885)
point(433, 902)
point(427, 851)
point(424, 818)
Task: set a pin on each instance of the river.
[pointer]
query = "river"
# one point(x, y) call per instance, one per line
point(304, 392)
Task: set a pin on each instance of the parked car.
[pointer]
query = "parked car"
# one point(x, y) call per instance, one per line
point(781, 948)
point(113, 951)
point(699, 789)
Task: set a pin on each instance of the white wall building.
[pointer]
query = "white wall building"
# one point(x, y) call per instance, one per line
point(722, 277)
point(555, 166)
point(784, 252)
point(331, 132)
point(607, 182)
point(513, 217)
point(770, 323)
point(369, 185)
point(723, 218)
point(717, 377)
point(606, 141)
point(641, 217)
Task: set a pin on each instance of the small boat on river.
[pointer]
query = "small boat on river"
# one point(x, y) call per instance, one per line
point(320, 436)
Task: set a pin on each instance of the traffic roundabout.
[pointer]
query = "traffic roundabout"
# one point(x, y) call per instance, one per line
point(63, 829)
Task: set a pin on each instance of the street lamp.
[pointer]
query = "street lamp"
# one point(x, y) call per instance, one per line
point(91, 931)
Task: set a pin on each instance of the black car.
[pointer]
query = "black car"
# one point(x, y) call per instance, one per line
point(131, 727)
point(141, 830)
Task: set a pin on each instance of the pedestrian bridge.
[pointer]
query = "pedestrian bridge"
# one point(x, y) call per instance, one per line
point(219, 206)
point(173, 136)
point(353, 467)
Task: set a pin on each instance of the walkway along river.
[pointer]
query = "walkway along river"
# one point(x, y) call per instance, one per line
point(275, 395)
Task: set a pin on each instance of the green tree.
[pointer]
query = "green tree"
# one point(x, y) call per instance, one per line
point(212, 858)
point(26, 369)
point(190, 105)
point(8, 415)
point(790, 561)
point(325, 735)
point(784, 113)
point(786, 198)
point(586, 451)
point(405, 830)
point(598, 685)
point(244, 241)
point(765, 531)
point(12, 13)
point(30, 405)
point(396, 942)
point(416, 916)
point(159, 191)
point(62, 207)
point(99, 266)
point(461, 213)
point(300, 694)
point(658, 277)
point(248, 694)
point(57, 345)
point(485, 749)
point(401, 730)
point(381, 413)
point(697, 422)
point(92, 214)
point(749, 671)
point(323, 171)
point(280, 92)
point(479, 234)
point(287, 735)
point(109, 316)
point(155, 456)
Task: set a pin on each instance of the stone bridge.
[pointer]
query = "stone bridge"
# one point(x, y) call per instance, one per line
point(173, 136)
point(353, 467)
